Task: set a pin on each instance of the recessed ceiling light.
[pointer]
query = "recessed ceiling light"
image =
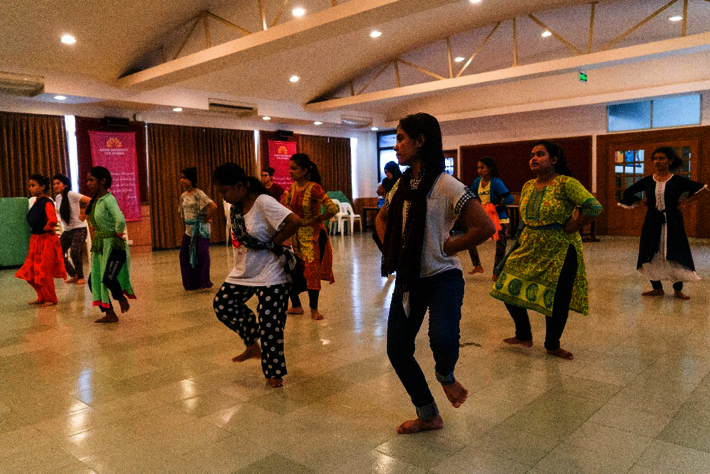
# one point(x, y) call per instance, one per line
point(546, 33)
point(177, 109)
point(375, 34)
point(68, 39)
point(460, 59)
point(60, 97)
point(475, 1)
point(675, 18)
point(294, 78)
point(266, 118)
point(298, 12)
point(374, 129)
point(317, 123)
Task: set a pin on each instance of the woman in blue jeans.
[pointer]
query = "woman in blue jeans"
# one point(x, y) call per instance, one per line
point(414, 226)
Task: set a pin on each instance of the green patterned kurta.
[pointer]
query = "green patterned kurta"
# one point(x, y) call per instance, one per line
point(529, 277)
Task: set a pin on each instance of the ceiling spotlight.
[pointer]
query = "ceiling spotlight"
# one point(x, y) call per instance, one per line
point(546, 33)
point(375, 34)
point(675, 18)
point(460, 59)
point(298, 12)
point(294, 78)
point(68, 39)
point(60, 97)
point(317, 123)
point(475, 1)
point(374, 129)
point(266, 118)
point(177, 109)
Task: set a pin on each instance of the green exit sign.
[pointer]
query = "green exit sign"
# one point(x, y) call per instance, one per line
point(582, 77)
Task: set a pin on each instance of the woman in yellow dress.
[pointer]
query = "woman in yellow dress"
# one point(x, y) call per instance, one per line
point(311, 243)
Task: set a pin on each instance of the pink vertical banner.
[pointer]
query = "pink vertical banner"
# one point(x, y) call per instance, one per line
point(279, 154)
point(116, 151)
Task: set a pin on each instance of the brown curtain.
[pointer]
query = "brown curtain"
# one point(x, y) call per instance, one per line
point(332, 155)
point(30, 144)
point(172, 148)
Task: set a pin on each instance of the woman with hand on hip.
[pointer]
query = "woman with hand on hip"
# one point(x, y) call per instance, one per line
point(490, 191)
point(74, 228)
point(311, 243)
point(544, 271)
point(664, 251)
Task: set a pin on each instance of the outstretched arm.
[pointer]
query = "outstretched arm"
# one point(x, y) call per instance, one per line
point(478, 228)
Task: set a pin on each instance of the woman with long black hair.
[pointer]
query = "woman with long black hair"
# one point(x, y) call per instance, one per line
point(74, 229)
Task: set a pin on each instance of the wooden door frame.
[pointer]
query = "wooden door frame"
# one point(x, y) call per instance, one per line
point(619, 141)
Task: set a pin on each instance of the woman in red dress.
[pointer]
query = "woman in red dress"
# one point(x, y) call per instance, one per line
point(45, 260)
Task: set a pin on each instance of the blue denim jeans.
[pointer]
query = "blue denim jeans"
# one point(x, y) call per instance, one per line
point(442, 295)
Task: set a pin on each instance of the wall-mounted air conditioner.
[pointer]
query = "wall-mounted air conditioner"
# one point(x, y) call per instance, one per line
point(21, 84)
point(232, 108)
point(355, 121)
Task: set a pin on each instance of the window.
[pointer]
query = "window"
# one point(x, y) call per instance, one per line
point(385, 152)
point(658, 113)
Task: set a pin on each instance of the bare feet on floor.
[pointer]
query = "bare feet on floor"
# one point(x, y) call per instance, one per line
point(478, 269)
point(415, 426)
point(561, 353)
point(315, 314)
point(654, 293)
point(48, 303)
point(517, 342)
point(109, 317)
point(494, 277)
point(455, 393)
point(80, 281)
point(37, 301)
point(251, 352)
point(681, 296)
point(274, 382)
point(296, 310)
point(70, 280)
point(123, 303)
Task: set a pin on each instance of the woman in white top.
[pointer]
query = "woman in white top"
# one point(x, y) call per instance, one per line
point(70, 207)
point(260, 226)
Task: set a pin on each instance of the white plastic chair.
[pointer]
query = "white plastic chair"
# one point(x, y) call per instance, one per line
point(337, 220)
point(346, 210)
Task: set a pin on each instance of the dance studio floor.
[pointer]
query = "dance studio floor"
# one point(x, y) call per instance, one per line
point(158, 392)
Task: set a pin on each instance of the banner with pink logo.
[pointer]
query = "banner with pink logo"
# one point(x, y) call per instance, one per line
point(279, 155)
point(116, 151)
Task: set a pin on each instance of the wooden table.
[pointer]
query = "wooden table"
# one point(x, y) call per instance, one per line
point(365, 211)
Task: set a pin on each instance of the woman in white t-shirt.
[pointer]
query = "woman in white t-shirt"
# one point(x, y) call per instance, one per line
point(70, 206)
point(260, 226)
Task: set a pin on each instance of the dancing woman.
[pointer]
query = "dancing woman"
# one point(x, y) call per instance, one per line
point(311, 243)
point(44, 260)
point(545, 271)
point(489, 189)
point(74, 229)
point(260, 226)
point(414, 225)
point(664, 251)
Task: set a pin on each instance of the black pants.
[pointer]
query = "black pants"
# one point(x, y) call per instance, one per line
point(657, 285)
point(560, 307)
point(115, 263)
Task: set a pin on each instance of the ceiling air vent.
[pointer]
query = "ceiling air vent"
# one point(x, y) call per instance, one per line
point(21, 84)
point(355, 121)
point(232, 108)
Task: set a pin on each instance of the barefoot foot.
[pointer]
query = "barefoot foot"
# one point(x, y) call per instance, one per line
point(561, 353)
point(70, 280)
point(494, 277)
point(315, 314)
point(109, 317)
point(80, 281)
point(415, 426)
point(123, 303)
point(455, 393)
point(654, 293)
point(517, 342)
point(681, 296)
point(48, 303)
point(251, 352)
point(275, 382)
point(295, 310)
point(37, 301)
point(477, 269)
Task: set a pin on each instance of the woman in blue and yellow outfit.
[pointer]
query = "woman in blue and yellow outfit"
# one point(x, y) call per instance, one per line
point(544, 270)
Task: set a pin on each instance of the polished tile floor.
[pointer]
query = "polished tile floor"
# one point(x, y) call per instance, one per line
point(158, 392)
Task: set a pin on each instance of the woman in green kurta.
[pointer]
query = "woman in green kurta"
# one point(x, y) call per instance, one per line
point(110, 261)
point(545, 271)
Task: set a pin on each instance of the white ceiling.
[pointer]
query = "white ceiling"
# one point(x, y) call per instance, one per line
point(330, 47)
